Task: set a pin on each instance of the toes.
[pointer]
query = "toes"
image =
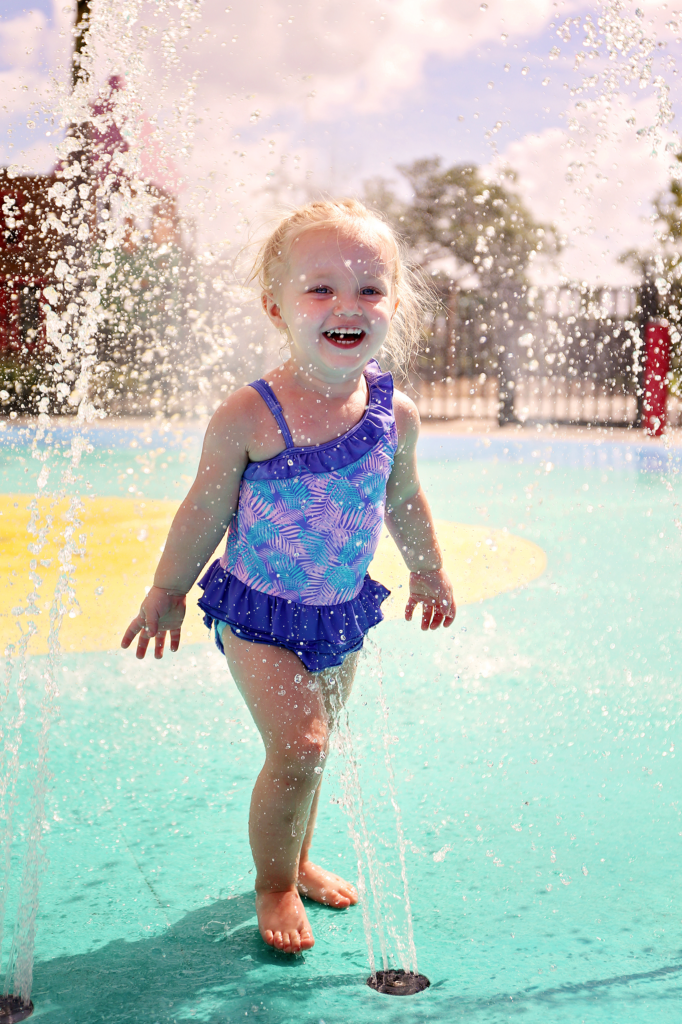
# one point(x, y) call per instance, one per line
point(278, 940)
point(269, 937)
point(347, 889)
point(337, 899)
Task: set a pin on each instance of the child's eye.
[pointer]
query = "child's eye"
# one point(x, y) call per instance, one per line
point(370, 290)
point(322, 289)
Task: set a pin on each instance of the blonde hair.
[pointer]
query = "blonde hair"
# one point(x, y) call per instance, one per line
point(415, 294)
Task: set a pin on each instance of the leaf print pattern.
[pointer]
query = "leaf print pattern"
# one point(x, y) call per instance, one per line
point(355, 546)
point(310, 538)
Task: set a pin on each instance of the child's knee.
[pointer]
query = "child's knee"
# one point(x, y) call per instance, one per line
point(302, 754)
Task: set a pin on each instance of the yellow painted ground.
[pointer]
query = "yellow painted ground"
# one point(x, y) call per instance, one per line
point(480, 562)
point(122, 538)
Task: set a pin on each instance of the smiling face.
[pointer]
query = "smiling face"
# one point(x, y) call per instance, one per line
point(334, 297)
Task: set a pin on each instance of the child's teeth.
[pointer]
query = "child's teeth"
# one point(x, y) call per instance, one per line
point(344, 332)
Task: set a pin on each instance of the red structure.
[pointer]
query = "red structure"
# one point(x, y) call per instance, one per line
point(656, 377)
point(29, 243)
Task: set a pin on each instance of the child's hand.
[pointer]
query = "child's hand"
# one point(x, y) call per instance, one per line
point(161, 612)
point(433, 590)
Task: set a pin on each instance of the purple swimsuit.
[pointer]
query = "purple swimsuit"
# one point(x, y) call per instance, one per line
point(294, 572)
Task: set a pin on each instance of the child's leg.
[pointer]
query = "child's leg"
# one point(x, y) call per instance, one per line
point(294, 723)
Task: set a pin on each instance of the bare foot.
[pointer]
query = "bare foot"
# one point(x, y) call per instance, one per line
point(325, 887)
point(282, 921)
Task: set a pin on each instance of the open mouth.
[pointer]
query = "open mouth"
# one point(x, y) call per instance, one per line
point(344, 337)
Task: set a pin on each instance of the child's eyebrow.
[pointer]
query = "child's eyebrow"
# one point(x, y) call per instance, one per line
point(317, 272)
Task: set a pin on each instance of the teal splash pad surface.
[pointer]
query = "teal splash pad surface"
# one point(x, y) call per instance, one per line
point(536, 773)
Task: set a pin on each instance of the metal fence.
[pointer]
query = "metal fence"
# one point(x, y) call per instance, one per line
point(557, 355)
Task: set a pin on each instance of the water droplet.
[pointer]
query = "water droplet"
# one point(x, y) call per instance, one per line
point(318, 770)
point(483, 7)
point(298, 679)
point(524, 71)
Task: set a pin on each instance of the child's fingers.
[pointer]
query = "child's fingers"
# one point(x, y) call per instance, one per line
point(175, 639)
point(437, 618)
point(142, 644)
point(410, 607)
point(159, 643)
point(427, 611)
point(133, 629)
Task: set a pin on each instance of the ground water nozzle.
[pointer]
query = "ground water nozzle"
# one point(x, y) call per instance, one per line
point(398, 982)
point(14, 1009)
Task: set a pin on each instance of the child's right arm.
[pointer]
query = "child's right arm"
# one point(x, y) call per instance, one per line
point(198, 526)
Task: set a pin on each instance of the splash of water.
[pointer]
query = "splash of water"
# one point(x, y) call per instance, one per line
point(400, 831)
point(378, 916)
point(73, 317)
point(12, 735)
point(353, 804)
point(19, 973)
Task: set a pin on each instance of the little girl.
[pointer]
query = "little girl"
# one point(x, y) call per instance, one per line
point(301, 469)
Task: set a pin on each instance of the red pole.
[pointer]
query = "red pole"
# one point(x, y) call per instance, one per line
point(656, 377)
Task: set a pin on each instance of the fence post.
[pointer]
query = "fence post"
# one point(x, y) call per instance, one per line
point(657, 367)
point(648, 302)
point(507, 360)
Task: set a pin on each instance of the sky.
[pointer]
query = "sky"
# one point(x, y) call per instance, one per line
point(258, 104)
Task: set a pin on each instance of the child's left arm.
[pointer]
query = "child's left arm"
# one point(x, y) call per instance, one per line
point(409, 521)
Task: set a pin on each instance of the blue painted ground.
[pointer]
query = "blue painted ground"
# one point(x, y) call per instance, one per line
point(536, 768)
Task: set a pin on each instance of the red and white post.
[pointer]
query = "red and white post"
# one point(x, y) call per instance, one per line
point(657, 368)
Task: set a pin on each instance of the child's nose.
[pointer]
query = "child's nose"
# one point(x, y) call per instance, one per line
point(347, 306)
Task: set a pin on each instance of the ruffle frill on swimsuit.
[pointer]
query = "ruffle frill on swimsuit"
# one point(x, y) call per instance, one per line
point(294, 573)
point(321, 635)
point(377, 422)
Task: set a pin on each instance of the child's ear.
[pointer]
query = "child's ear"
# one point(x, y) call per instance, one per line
point(272, 311)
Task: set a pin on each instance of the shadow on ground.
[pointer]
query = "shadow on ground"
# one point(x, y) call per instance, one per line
point(209, 964)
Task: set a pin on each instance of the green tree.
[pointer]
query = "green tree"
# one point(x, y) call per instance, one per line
point(661, 265)
point(458, 226)
point(660, 269)
point(455, 212)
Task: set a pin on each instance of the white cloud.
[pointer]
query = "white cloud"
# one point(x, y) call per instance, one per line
point(35, 60)
point(310, 61)
point(595, 182)
point(332, 54)
point(314, 61)
point(21, 40)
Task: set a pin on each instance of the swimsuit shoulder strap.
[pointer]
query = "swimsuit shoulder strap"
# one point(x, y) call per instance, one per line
point(380, 385)
point(272, 402)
